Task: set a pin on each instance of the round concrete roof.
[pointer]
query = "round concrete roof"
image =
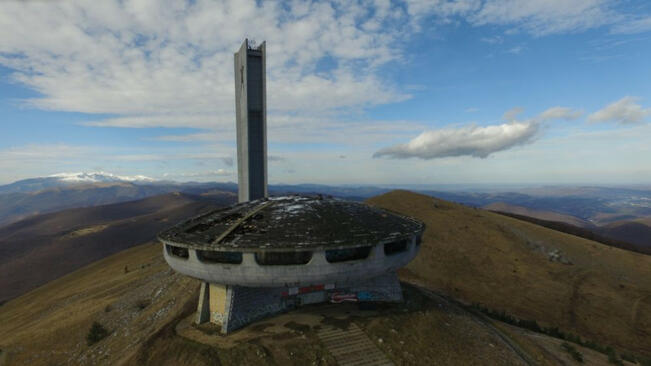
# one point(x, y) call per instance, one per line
point(291, 223)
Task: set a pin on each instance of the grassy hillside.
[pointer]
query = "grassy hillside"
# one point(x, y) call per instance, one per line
point(614, 236)
point(633, 231)
point(538, 214)
point(48, 326)
point(586, 288)
point(148, 311)
point(600, 292)
point(145, 309)
point(39, 249)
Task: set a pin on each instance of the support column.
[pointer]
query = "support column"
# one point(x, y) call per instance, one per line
point(233, 307)
point(219, 303)
point(203, 308)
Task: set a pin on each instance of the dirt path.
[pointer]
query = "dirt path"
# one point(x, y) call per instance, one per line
point(482, 320)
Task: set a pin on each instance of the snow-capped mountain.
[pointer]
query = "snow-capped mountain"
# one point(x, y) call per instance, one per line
point(97, 177)
point(69, 179)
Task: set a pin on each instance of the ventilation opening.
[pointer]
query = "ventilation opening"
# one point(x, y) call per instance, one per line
point(282, 258)
point(348, 254)
point(177, 251)
point(395, 247)
point(210, 256)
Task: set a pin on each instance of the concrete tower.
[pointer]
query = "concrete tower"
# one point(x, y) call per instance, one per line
point(251, 115)
point(262, 257)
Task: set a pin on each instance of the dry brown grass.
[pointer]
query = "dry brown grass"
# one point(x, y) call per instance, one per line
point(87, 230)
point(49, 325)
point(470, 254)
point(481, 257)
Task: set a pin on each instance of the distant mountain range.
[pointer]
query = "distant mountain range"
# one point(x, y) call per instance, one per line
point(34, 196)
point(43, 247)
point(620, 213)
point(68, 179)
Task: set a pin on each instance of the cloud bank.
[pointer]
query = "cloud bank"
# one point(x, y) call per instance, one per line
point(476, 141)
point(624, 111)
point(472, 140)
point(537, 17)
point(169, 63)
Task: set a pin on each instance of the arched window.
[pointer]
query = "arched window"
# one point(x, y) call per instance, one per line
point(177, 251)
point(282, 258)
point(212, 256)
point(395, 247)
point(347, 254)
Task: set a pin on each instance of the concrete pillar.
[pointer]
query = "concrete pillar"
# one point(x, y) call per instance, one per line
point(203, 308)
point(251, 117)
point(218, 303)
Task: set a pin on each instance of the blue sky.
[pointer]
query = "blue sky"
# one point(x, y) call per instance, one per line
point(367, 92)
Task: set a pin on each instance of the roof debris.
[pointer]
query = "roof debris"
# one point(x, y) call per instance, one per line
point(296, 222)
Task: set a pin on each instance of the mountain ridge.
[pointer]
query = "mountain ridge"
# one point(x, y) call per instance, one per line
point(36, 250)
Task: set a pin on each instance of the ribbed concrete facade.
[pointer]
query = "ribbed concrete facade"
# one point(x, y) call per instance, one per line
point(317, 271)
point(251, 117)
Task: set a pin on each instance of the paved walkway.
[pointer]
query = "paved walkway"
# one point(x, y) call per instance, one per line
point(352, 347)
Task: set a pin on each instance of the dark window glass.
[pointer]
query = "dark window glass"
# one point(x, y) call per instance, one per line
point(347, 254)
point(282, 258)
point(418, 240)
point(256, 155)
point(211, 256)
point(177, 251)
point(395, 247)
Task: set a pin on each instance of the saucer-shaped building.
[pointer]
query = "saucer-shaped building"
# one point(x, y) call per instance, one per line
point(282, 252)
point(292, 241)
point(266, 255)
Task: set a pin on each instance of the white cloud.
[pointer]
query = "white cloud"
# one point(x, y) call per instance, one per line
point(635, 25)
point(560, 113)
point(512, 114)
point(170, 63)
point(42, 153)
point(200, 174)
point(476, 141)
point(541, 17)
point(623, 111)
point(538, 17)
point(493, 40)
point(471, 140)
point(194, 137)
point(515, 50)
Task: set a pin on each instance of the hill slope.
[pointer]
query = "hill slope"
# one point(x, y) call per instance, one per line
point(532, 272)
point(474, 255)
point(148, 313)
point(15, 206)
point(538, 214)
point(602, 234)
point(637, 232)
point(36, 250)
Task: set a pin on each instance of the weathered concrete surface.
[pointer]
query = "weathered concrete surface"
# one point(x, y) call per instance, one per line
point(203, 307)
point(317, 271)
point(291, 223)
point(234, 307)
point(251, 116)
